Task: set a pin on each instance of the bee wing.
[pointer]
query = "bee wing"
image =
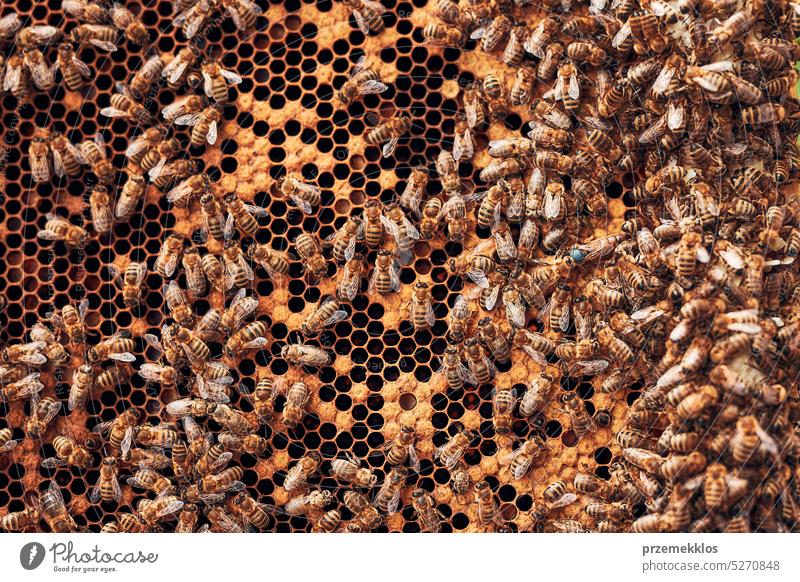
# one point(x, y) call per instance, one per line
point(675, 116)
point(94, 494)
point(47, 411)
point(411, 230)
point(53, 463)
point(589, 367)
point(394, 277)
point(372, 87)
point(127, 441)
point(337, 316)
point(733, 258)
point(515, 311)
point(171, 264)
point(211, 136)
point(122, 357)
point(702, 254)
point(113, 112)
point(302, 204)
point(413, 458)
point(394, 503)
point(82, 67)
point(471, 111)
point(390, 226)
point(230, 76)
point(564, 500)
point(622, 35)
point(256, 343)
point(103, 44)
point(390, 146)
point(478, 277)
point(463, 146)
point(58, 164)
point(361, 22)
point(12, 78)
point(208, 86)
point(522, 468)
point(103, 427)
point(171, 507)
point(174, 70)
point(115, 489)
point(574, 90)
point(189, 119)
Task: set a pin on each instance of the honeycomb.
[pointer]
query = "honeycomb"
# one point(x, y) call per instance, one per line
point(283, 119)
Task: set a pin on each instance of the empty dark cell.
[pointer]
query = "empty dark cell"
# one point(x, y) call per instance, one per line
point(439, 420)
point(341, 47)
point(614, 190)
point(602, 456)
point(552, 429)
point(602, 472)
point(507, 493)
point(585, 390)
point(375, 421)
point(343, 402)
point(488, 447)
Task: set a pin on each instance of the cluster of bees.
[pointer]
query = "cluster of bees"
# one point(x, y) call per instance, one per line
point(686, 307)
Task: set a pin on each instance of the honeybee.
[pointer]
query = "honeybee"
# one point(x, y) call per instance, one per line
point(312, 503)
point(100, 209)
point(503, 404)
point(445, 36)
point(68, 158)
point(206, 128)
point(538, 395)
point(251, 444)
point(362, 510)
point(568, 87)
point(124, 107)
point(429, 517)
point(71, 321)
point(130, 282)
point(238, 273)
point(119, 430)
point(86, 11)
point(385, 276)
point(41, 73)
point(166, 376)
point(306, 355)
point(107, 487)
point(169, 256)
point(421, 309)
point(19, 521)
point(182, 66)
point(414, 190)
point(6, 442)
point(144, 80)
point(361, 81)
point(343, 241)
point(252, 511)
point(402, 447)
point(387, 499)
point(50, 505)
point(389, 133)
point(118, 347)
point(488, 510)
point(350, 279)
point(216, 81)
point(132, 194)
point(16, 77)
point(9, 26)
point(160, 508)
point(350, 471)
point(309, 251)
point(521, 459)
point(129, 25)
point(68, 452)
point(452, 451)
point(243, 13)
point(297, 476)
point(43, 411)
point(34, 36)
point(581, 421)
point(195, 16)
point(185, 110)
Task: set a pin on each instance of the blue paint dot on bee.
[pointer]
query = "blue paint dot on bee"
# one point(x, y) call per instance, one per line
point(576, 255)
